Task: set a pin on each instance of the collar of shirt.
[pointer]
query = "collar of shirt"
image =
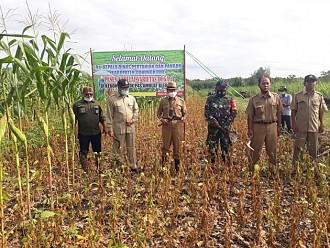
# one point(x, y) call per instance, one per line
point(309, 93)
point(121, 96)
point(264, 95)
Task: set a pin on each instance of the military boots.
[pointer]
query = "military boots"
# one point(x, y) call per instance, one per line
point(177, 164)
point(83, 160)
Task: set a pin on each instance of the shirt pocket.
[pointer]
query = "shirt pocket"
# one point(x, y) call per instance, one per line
point(130, 106)
point(315, 105)
point(119, 107)
point(96, 110)
point(165, 110)
point(82, 109)
point(178, 110)
point(259, 110)
point(302, 106)
point(273, 106)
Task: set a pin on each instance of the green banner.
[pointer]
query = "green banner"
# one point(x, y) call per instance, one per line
point(147, 72)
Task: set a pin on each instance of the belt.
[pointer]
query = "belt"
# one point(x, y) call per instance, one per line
point(174, 118)
point(264, 122)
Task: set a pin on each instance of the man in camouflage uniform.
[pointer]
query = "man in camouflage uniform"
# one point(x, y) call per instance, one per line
point(220, 112)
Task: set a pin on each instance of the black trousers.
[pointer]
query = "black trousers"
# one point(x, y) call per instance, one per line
point(286, 120)
point(85, 140)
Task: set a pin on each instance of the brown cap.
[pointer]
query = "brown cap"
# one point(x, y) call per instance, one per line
point(171, 85)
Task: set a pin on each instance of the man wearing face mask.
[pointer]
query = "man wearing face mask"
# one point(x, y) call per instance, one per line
point(122, 114)
point(264, 121)
point(286, 100)
point(172, 113)
point(307, 117)
point(88, 116)
point(220, 112)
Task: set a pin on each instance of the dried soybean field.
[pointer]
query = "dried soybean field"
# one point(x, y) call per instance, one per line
point(204, 205)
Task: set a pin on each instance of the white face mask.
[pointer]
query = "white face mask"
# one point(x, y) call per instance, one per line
point(172, 93)
point(88, 99)
point(124, 92)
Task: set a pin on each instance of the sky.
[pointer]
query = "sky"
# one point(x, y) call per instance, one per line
point(232, 38)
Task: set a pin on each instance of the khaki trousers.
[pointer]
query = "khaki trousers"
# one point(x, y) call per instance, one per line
point(172, 133)
point(128, 140)
point(311, 138)
point(264, 134)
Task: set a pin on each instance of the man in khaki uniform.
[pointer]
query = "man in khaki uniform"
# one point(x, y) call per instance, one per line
point(172, 113)
point(307, 116)
point(264, 121)
point(122, 114)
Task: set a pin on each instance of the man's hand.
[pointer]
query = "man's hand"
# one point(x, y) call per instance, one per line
point(279, 130)
point(183, 119)
point(105, 130)
point(294, 127)
point(111, 133)
point(321, 128)
point(215, 124)
point(164, 121)
point(250, 133)
point(225, 131)
point(130, 123)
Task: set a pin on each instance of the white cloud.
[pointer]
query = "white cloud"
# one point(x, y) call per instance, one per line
point(233, 38)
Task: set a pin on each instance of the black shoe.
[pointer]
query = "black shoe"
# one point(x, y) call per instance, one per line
point(134, 170)
point(163, 161)
point(177, 164)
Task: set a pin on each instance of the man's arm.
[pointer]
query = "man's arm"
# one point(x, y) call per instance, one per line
point(321, 118)
point(293, 121)
point(279, 121)
point(250, 125)
point(109, 120)
point(233, 109)
point(279, 115)
point(135, 110)
point(208, 115)
point(184, 112)
point(294, 109)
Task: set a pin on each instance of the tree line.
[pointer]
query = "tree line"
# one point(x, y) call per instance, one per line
point(198, 84)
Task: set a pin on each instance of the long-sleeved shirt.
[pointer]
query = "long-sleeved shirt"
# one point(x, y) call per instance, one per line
point(121, 109)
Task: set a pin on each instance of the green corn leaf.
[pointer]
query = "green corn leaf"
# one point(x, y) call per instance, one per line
point(17, 132)
point(62, 40)
point(20, 64)
point(46, 214)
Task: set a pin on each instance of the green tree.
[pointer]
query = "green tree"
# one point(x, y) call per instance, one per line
point(253, 80)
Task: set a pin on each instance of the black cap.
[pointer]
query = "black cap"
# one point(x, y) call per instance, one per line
point(222, 83)
point(310, 78)
point(282, 88)
point(122, 83)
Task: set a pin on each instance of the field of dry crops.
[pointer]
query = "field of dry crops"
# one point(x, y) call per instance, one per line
point(204, 205)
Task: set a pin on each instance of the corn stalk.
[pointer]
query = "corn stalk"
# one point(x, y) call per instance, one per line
point(3, 126)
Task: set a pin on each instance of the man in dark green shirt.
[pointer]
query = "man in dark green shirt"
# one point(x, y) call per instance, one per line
point(88, 115)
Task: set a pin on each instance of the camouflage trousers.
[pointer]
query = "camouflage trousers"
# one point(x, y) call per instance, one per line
point(214, 138)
